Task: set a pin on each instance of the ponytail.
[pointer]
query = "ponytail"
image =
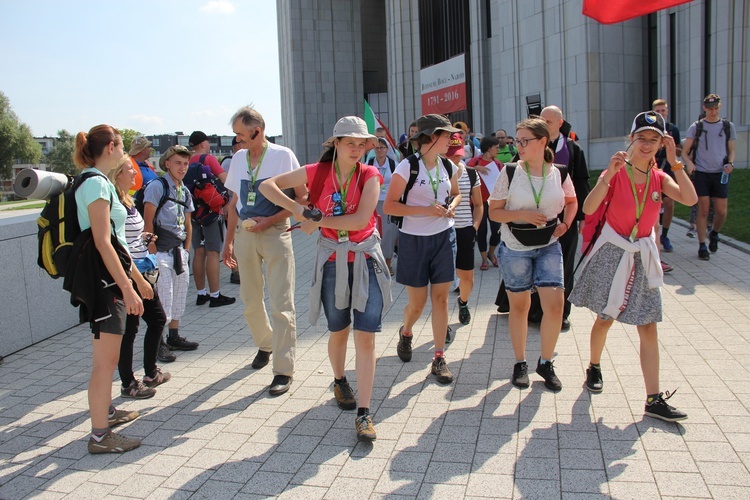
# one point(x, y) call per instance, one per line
point(89, 147)
point(549, 155)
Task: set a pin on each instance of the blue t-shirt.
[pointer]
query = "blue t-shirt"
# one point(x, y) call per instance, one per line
point(146, 172)
point(94, 188)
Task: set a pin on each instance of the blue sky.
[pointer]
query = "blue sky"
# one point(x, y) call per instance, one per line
point(156, 66)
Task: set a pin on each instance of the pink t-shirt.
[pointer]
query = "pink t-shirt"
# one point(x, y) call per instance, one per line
point(621, 212)
point(211, 162)
point(325, 202)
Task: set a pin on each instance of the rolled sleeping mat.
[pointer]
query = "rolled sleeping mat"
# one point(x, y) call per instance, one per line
point(35, 184)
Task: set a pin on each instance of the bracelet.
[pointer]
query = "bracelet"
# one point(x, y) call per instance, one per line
point(605, 182)
point(566, 225)
point(677, 166)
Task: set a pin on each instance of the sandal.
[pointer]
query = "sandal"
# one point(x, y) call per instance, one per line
point(494, 261)
point(484, 266)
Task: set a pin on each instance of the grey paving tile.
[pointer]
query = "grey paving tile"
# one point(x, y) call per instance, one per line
point(346, 488)
point(682, 484)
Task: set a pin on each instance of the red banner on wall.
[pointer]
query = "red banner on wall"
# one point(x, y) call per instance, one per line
point(446, 100)
point(444, 87)
point(616, 11)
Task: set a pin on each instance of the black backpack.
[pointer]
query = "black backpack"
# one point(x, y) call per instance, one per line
point(140, 204)
point(413, 173)
point(59, 227)
point(726, 129)
point(391, 163)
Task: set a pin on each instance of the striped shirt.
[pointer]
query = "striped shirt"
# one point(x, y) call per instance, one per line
point(133, 229)
point(463, 210)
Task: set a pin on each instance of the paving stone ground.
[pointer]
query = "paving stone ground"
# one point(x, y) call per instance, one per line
point(214, 432)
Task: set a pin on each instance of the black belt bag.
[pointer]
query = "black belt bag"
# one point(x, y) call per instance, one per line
point(533, 236)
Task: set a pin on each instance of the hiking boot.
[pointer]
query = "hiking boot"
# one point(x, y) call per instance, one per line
point(441, 371)
point(202, 299)
point(520, 375)
point(666, 268)
point(547, 372)
point(565, 325)
point(122, 417)
point(660, 409)
point(594, 381)
point(136, 390)
point(261, 359)
point(666, 245)
point(448, 338)
point(365, 430)
point(158, 379)
point(403, 349)
point(221, 300)
point(464, 315)
point(165, 354)
point(113, 443)
point(703, 252)
point(234, 278)
point(692, 232)
point(177, 343)
point(713, 241)
point(344, 396)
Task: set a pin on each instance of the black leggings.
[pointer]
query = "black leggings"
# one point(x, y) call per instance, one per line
point(153, 315)
point(482, 231)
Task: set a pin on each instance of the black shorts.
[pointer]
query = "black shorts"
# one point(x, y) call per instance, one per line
point(114, 321)
point(709, 184)
point(465, 239)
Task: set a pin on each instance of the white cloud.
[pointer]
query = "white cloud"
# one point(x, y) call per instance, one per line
point(148, 119)
point(218, 7)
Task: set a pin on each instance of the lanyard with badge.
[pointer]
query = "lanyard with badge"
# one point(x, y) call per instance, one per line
point(339, 199)
point(639, 204)
point(537, 196)
point(435, 183)
point(180, 191)
point(253, 174)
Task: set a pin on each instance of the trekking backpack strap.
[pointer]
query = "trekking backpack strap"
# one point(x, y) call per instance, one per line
point(392, 164)
point(727, 129)
point(413, 173)
point(202, 159)
point(510, 171)
point(472, 177)
point(448, 166)
point(371, 161)
point(563, 171)
point(164, 198)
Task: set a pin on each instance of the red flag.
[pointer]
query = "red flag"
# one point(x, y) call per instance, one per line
point(616, 11)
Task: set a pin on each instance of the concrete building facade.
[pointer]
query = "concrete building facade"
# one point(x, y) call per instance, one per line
point(600, 75)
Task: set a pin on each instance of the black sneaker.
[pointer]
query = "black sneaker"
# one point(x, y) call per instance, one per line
point(403, 349)
point(565, 325)
point(594, 381)
point(660, 409)
point(344, 396)
point(234, 278)
point(202, 299)
point(703, 252)
point(547, 372)
point(177, 343)
point(221, 300)
point(464, 315)
point(164, 355)
point(441, 371)
point(448, 338)
point(520, 375)
point(261, 359)
point(713, 241)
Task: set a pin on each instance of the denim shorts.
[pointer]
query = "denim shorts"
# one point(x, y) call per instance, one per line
point(368, 321)
point(522, 270)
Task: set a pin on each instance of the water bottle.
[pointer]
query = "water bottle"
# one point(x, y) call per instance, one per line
point(724, 177)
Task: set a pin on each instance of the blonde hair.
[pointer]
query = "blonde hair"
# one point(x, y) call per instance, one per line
point(124, 196)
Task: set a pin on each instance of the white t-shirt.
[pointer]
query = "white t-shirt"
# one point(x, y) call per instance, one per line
point(277, 160)
point(422, 195)
point(385, 171)
point(521, 197)
point(464, 217)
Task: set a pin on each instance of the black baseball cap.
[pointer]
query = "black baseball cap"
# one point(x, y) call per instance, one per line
point(648, 120)
point(196, 138)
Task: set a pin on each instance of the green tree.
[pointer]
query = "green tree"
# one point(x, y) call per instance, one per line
point(128, 134)
point(16, 141)
point(61, 156)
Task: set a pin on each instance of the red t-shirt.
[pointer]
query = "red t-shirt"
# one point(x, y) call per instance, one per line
point(621, 212)
point(478, 160)
point(211, 162)
point(325, 203)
